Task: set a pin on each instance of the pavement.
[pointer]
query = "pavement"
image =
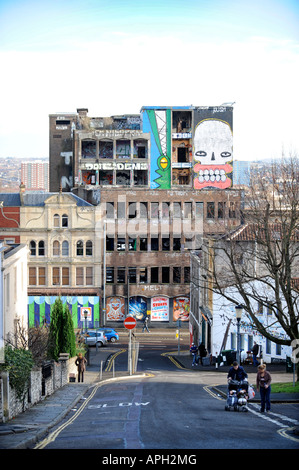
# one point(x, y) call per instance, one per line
point(23, 431)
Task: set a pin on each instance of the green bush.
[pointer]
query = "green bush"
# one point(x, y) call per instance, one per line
point(18, 363)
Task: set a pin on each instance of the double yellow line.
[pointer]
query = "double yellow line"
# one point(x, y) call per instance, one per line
point(112, 358)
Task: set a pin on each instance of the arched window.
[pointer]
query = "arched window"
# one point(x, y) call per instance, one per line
point(65, 248)
point(64, 221)
point(41, 248)
point(56, 248)
point(88, 248)
point(56, 221)
point(32, 248)
point(80, 248)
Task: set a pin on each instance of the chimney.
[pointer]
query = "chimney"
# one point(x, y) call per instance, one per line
point(82, 112)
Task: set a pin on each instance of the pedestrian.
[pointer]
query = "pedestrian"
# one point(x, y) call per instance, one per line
point(193, 351)
point(80, 363)
point(145, 325)
point(263, 381)
point(236, 372)
point(255, 351)
point(202, 351)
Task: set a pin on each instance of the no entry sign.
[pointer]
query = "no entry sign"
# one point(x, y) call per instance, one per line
point(130, 323)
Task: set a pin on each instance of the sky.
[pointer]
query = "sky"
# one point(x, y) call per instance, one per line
point(115, 56)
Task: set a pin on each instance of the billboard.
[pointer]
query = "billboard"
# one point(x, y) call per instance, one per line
point(160, 308)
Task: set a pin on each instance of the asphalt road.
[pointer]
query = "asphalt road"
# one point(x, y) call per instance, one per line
point(170, 408)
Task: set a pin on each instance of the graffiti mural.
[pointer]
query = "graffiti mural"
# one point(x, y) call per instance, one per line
point(213, 148)
point(115, 309)
point(181, 308)
point(158, 123)
point(138, 307)
point(39, 309)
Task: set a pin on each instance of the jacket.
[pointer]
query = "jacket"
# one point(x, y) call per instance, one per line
point(80, 362)
point(237, 374)
point(262, 381)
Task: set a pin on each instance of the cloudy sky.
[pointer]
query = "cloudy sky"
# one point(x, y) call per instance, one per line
point(115, 56)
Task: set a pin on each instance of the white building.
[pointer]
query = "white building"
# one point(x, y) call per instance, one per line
point(225, 325)
point(14, 290)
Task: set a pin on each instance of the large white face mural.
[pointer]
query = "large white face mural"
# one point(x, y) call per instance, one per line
point(213, 150)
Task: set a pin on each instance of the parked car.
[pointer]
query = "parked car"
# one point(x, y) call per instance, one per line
point(110, 333)
point(96, 338)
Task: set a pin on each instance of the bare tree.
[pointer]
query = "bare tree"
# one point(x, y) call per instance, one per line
point(265, 248)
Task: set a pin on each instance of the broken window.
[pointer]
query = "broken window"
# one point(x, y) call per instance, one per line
point(140, 148)
point(110, 210)
point(181, 176)
point(210, 210)
point(105, 149)
point(121, 275)
point(123, 149)
point(143, 210)
point(88, 149)
point(123, 178)
point(121, 244)
point(109, 275)
point(183, 156)
point(132, 209)
point(143, 275)
point(132, 244)
point(176, 210)
point(132, 275)
point(221, 210)
point(106, 177)
point(140, 178)
point(188, 210)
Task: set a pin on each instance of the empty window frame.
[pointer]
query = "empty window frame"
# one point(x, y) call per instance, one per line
point(123, 178)
point(109, 275)
point(109, 243)
point(177, 210)
point(154, 244)
point(143, 210)
point(121, 275)
point(132, 275)
point(221, 210)
point(132, 210)
point(165, 244)
point(88, 149)
point(143, 244)
point(143, 275)
point(176, 244)
point(188, 210)
point(155, 275)
point(105, 149)
point(165, 274)
point(186, 274)
point(121, 244)
point(132, 244)
point(140, 177)
point(210, 210)
point(176, 274)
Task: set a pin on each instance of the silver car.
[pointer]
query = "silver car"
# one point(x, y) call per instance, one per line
point(94, 338)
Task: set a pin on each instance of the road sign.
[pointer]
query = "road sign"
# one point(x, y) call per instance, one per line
point(130, 323)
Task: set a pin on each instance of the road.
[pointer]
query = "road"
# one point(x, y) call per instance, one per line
point(169, 408)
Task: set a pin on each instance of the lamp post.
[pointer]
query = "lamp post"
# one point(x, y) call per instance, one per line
point(238, 310)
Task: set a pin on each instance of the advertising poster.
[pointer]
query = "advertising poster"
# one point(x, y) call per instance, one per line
point(138, 307)
point(160, 308)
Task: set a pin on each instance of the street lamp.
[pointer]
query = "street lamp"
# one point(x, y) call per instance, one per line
point(238, 310)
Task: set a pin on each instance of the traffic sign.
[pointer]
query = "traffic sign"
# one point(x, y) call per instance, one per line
point(130, 323)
